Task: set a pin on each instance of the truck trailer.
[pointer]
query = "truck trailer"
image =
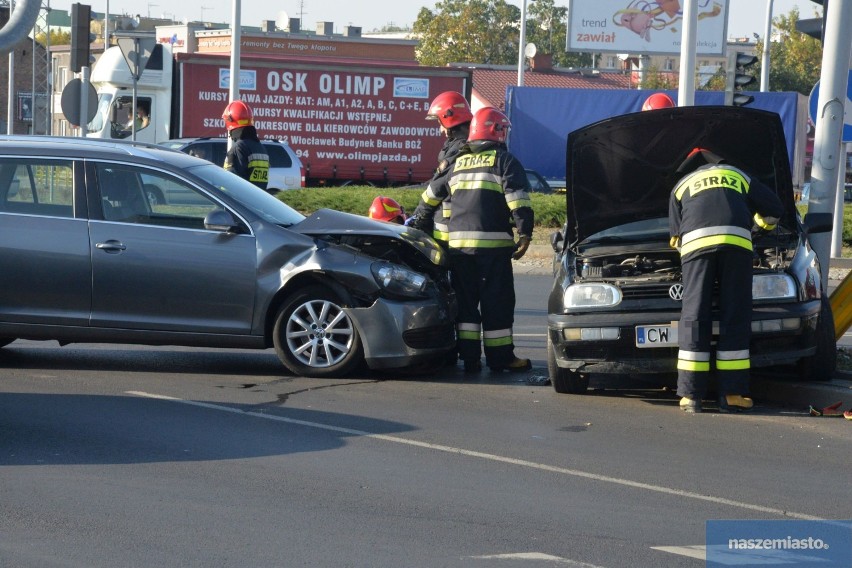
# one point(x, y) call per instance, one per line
point(361, 122)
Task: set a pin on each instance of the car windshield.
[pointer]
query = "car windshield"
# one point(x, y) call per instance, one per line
point(644, 230)
point(255, 199)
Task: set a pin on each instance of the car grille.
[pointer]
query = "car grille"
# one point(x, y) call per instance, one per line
point(647, 292)
point(434, 337)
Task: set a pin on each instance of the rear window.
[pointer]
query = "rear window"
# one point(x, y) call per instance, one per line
point(278, 156)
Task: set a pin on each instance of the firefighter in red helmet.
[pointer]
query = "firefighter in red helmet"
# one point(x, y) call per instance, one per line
point(387, 209)
point(658, 101)
point(453, 114)
point(247, 156)
point(712, 211)
point(489, 189)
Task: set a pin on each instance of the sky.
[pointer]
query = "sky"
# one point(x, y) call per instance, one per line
point(745, 16)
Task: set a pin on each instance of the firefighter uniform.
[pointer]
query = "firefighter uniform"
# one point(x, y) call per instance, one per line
point(488, 188)
point(456, 140)
point(248, 158)
point(712, 211)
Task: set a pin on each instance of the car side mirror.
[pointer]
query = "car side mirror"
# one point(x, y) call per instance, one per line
point(221, 220)
point(819, 222)
point(556, 240)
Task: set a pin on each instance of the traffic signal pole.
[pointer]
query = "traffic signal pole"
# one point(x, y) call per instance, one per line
point(828, 159)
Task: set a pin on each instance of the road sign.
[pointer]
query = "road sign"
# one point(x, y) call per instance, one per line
point(136, 52)
point(813, 101)
point(70, 101)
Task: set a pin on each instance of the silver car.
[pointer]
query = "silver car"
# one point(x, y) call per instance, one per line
point(285, 168)
point(87, 257)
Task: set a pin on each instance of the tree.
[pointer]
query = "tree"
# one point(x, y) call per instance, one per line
point(56, 38)
point(480, 31)
point(487, 31)
point(795, 59)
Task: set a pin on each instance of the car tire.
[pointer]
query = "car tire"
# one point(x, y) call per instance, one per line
point(314, 337)
point(154, 195)
point(564, 381)
point(821, 365)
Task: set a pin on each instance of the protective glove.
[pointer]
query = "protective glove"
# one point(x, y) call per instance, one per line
point(521, 247)
point(425, 224)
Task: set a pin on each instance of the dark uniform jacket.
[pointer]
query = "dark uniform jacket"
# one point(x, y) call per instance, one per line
point(715, 206)
point(446, 158)
point(248, 158)
point(489, 191)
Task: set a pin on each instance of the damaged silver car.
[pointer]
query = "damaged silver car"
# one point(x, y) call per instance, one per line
point(88, 258)
point(615, 302)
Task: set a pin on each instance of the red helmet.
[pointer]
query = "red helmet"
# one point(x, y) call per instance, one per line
point(489, 124)
point(657, 101)
point(450, 109)
point(237, 114)
point(387, 209)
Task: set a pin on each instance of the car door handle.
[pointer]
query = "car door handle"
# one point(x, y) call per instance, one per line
point(111, 246)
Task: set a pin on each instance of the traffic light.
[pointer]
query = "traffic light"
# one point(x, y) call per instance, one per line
point(814, 27)
point(81, 36)
point(736, 78)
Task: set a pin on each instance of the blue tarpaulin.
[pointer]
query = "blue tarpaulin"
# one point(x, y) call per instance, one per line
point(543, 117)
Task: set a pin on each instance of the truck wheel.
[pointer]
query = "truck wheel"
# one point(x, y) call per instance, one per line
point(314, 337)
point(564, 381)
point(821, 365)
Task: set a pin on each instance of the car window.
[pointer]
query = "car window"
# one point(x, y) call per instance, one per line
point(203, 150)
point(37, 187)
point(278, 156)
point(150, 197)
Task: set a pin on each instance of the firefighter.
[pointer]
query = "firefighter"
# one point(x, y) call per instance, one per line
point(453, 114)
point(712, 212)
point(246, 157)
point(658, 101)
point(387, 209)
point(488, 188)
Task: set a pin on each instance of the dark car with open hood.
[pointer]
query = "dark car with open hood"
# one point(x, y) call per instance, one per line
point(615, 302)
point(87, 257)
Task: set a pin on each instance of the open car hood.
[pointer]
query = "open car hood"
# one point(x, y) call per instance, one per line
point(622, 169)
point(367, 234)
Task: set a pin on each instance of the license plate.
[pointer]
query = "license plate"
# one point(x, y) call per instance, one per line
point(656, 336)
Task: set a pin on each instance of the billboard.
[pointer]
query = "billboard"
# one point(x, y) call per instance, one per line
point(644, 27)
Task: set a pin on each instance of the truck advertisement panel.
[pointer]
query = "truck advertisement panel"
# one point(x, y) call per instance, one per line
point(644, 26)
point(359, 123)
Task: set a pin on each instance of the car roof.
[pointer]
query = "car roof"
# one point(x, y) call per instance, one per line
point(71, 147)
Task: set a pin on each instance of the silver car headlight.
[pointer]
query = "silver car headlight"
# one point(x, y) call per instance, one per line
point(398, 280)
point(596, 295)
point(777, 286)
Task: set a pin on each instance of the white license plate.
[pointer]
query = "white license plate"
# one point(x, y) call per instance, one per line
point(656, 336)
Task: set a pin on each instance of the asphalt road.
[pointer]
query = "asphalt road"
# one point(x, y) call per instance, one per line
point(150, 456)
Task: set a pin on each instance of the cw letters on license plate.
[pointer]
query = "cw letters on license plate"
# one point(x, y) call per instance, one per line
point(656, 335)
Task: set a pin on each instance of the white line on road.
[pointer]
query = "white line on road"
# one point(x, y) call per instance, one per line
point(493, 457)
point(536, 556)
point(698, 551)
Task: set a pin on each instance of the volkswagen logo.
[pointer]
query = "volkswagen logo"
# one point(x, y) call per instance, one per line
point(676, 292)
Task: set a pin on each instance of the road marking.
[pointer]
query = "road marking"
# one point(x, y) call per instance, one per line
point(492, 457)
point(698, 551)
point(536, 556)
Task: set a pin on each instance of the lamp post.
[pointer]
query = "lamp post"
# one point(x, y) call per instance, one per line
point(764, 63)
point(522, 43)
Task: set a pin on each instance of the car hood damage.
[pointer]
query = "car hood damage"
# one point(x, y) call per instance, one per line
point(623, 169)
point(386, 241)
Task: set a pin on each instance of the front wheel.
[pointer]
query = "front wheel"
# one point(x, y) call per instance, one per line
point(314, 337)
point(821, 365)
point(564, 381)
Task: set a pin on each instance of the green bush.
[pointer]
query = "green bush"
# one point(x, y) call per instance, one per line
point(549, 209)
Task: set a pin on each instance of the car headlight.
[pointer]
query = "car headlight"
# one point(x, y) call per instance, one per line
point(597, 295)
point(398, 280)
point(777, 286)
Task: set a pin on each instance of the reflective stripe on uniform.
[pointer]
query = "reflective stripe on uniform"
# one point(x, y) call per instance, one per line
point(716, 240)
point(480, 239)
point(429, 197)
point(726, 177)
point(518, 199)
point(468, 331)
point(497, 337)
point(733, 360)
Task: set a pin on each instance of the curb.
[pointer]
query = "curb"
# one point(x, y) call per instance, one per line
point(799, 395)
